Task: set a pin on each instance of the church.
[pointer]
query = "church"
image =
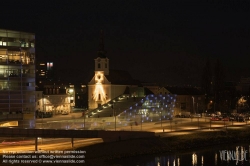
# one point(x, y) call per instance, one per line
point(107, 84)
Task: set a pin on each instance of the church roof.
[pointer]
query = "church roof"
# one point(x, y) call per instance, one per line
point(121, 77)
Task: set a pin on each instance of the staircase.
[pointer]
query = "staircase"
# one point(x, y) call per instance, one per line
point(115, 107)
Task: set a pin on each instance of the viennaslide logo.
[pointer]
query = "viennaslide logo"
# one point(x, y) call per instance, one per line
point(238, 155)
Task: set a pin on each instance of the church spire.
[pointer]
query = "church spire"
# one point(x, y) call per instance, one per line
point(101, 52)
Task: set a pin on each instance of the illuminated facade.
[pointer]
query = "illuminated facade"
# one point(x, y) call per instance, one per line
point(108, 84)
point(55, 99)
point(17, 73)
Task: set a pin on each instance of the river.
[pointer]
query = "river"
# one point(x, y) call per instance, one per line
point(224, 155)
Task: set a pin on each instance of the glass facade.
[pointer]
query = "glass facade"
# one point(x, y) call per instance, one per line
point(17, 72)
point(152, 108)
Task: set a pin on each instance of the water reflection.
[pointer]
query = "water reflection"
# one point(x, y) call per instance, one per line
point(194, 159)
point(219, 156)
point(215, 159)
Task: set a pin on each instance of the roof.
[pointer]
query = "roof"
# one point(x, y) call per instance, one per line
point(148, 91)
point(184, 90)
point(121, 77)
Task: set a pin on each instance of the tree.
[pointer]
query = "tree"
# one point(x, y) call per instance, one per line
point(206, 80)
point(218, 86)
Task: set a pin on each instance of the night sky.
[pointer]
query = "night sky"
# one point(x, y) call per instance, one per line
point(164, 41)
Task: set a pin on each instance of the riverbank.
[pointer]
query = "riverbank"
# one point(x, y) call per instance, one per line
point(105, 153)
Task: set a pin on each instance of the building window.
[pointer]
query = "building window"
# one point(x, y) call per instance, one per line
point(49, 65)
point(99, 65)
point(106, 65)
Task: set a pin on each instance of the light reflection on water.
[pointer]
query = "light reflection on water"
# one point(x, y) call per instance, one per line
point(238, 156)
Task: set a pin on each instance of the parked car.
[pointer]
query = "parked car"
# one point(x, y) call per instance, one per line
point(185, 116)
point(232, 118)
point(215, 118)
point(65, 113)
point(225, 118)
point(240, 119)
point(196, 116)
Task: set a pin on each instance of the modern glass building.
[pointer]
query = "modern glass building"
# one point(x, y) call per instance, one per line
point(17, 74)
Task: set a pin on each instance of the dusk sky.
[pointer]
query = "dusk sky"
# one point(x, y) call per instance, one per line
point(164, 41)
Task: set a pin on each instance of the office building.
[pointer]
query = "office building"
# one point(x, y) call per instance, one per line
point(17, 74)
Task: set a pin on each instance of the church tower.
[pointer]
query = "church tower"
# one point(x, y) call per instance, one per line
point(102, 62)
point(99, 88)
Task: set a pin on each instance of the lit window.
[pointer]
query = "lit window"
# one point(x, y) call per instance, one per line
point(49, 65)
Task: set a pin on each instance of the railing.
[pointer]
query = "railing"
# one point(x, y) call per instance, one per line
point(107, 104)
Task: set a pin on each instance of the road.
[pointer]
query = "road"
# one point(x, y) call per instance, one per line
point(45, 144)
point(176, 126)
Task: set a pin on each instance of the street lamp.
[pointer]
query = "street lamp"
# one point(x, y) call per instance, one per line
point(115, 119)
point(114, 113)
point(70, 92)
point(193, 103)
point(161, 118)
point(43, 108)
point(141, 120)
